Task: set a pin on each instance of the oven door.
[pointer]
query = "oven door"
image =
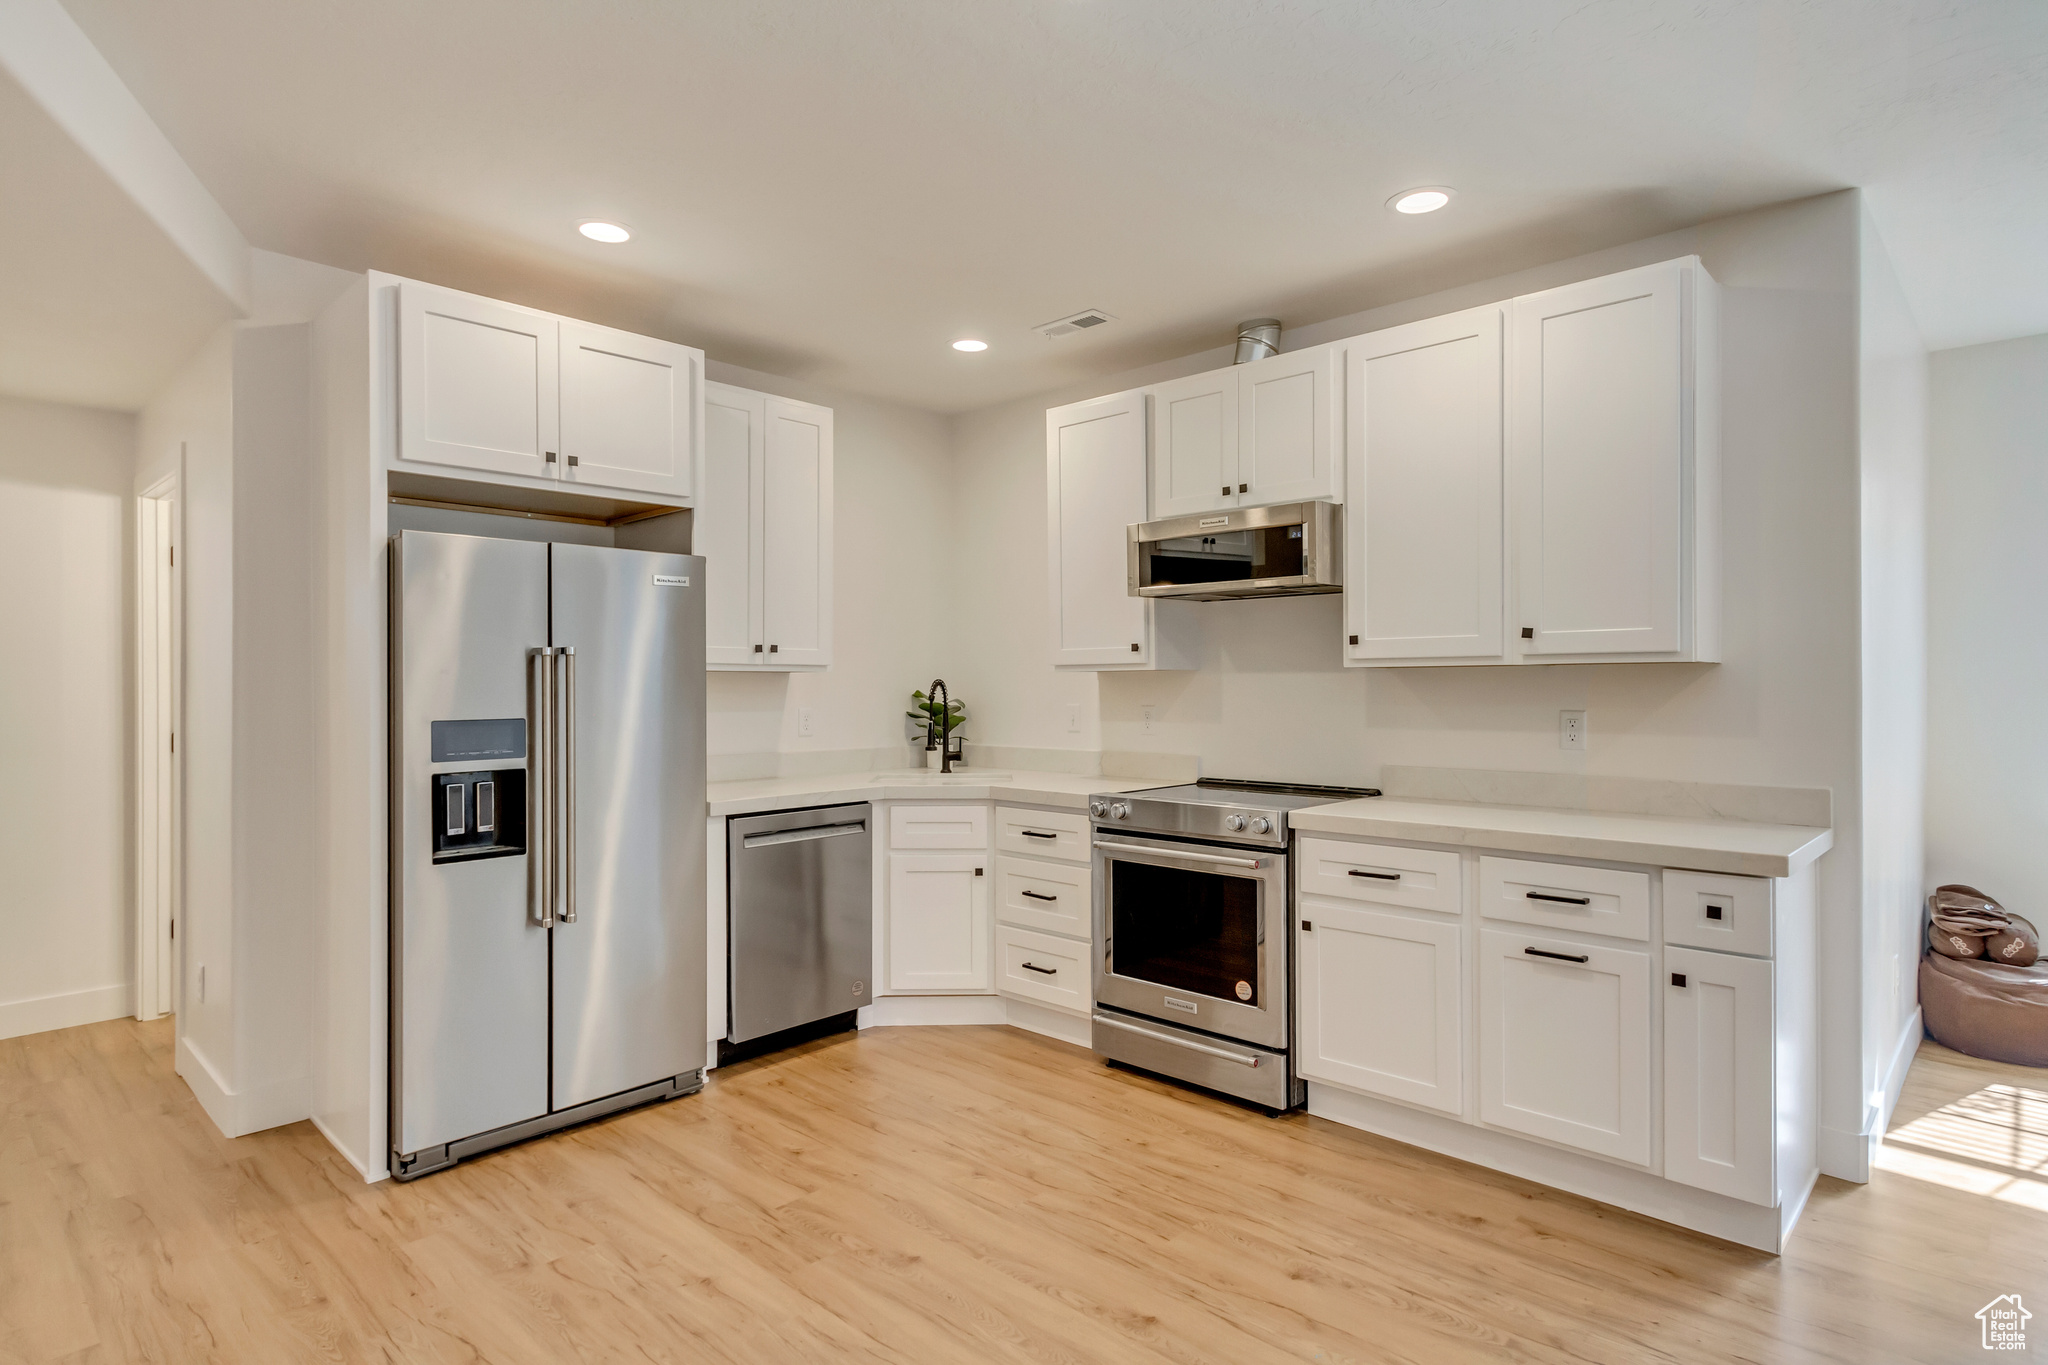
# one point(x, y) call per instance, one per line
point(1192, 934)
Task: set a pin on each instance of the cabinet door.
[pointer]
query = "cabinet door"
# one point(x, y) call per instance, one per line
point(478, 383)
point(1381, 1003)
point(1564, 1042)
point(938, 922)
point(1719, 1119)
point(1422, 544)
point(1194, 445)
point(1095, 488)
point(629, 410)
point(1596, 449)
point(796, 540)
point(726, 528)
point(1287, 428)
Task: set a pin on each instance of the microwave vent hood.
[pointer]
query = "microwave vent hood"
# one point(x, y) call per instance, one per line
point(1286, 551)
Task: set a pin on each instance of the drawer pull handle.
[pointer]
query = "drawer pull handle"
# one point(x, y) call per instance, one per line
point(1038, 895)
point(1561, 957)
point(1376, 876)
point(1561, 900)
point(1042, 971)
point(1036, 834)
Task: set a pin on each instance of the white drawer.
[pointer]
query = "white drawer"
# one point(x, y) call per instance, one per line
point(1597, 900)
point(1715, 910)
point(1052, 971)
point(960, 824)
point(1043, 833)
point(1419, 878)
point(1051, 897)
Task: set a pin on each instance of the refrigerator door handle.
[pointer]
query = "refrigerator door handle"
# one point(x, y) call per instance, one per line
point(540, 896)
point(566, 779)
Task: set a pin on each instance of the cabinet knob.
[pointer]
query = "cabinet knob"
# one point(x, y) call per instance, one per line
point(551, 456)
point(1225, 490)
point(1135, 649)
point(1678, 978)
point(775, 649)
point(757, 649)
point(1244, 488)
point(1354, 639)
point(1528, 632)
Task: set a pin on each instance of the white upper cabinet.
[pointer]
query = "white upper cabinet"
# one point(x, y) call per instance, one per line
point(1247, 436)
point(1287, 428)
point(494, 392)
point(1095, 488)
point(1194, 445)
point(796, 542)
point(478, 383)
point(726, 529)
point(1614, 468)
point(764, 526)
point(629, 410)
point(1423, 542)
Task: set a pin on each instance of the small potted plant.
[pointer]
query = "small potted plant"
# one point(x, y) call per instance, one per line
point(925, 726)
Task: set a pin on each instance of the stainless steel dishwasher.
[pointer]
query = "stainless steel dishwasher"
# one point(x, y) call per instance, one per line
point(801, 907)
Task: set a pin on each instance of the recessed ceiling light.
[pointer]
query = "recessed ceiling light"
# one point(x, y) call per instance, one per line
point(968, 344)
point(604, 232)
point(1428, 199)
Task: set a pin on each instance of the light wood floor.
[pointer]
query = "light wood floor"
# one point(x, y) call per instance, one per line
point(960, 1194)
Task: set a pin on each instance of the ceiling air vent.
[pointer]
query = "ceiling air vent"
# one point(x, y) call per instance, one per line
point(1078, 322)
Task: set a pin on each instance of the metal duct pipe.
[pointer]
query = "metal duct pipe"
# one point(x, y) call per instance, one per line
point(1257, 339)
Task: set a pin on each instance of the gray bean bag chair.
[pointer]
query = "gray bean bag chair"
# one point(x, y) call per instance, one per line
point(1986, 1009)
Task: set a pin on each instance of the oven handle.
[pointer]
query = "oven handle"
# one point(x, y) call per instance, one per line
point(1167, 851)
point(1240, 1058)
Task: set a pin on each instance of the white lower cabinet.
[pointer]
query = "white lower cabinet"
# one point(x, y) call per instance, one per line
point(1381, 1002)
point(1719, 1027)
point(938, 922)
point(1043, 967)
point(1564, 1042)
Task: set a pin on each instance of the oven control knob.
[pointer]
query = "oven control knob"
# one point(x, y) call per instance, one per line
point(1120, 811)
point(1098, 809)
point(1233, 823)
point(1261, 825)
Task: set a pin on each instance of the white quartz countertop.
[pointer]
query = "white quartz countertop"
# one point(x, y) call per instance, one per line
point(1736, 846)
point(1014, 786)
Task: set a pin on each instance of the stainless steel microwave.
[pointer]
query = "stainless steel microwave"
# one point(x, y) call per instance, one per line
point(1283, 551)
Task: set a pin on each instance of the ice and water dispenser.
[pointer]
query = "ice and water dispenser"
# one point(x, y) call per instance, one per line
point(480, 812)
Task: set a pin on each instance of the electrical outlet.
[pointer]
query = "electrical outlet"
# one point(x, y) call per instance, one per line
point(1571, 729)
point(803, 720)
point(1148, 708)
point(1073, 718)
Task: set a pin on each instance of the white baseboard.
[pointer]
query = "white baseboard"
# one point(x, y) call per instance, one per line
point(1903, 1052)
point(18, 1018)
point(238, 1113)
point(1043, 1019)
point(1717, 1215)
point(892, 1011)
point(1848, 1156)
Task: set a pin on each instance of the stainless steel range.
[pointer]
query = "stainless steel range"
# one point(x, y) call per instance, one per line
point(1193, 963)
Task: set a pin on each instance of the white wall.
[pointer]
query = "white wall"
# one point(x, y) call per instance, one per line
point(65, 731)
point(1272, 699)
point(1892, 438)
point(893, 624)
point(1987, 562)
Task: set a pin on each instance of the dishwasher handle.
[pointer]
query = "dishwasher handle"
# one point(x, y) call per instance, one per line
point(804, 835)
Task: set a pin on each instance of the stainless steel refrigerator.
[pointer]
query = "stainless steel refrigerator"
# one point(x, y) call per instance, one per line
point(547, 837)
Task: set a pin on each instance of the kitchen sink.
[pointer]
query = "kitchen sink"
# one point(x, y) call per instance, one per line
point(932, 777)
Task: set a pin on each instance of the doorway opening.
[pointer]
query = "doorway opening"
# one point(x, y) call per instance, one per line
point(158, 671)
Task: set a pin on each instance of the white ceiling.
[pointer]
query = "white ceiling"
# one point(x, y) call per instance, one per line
point(97, 305)
point(835, 191)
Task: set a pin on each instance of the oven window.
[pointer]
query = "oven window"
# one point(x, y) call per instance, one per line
point(1188, 931)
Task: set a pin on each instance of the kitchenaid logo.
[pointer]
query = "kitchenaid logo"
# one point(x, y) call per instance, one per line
point(2005, 1323)
point(1185, 1006)
point(669, 580)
